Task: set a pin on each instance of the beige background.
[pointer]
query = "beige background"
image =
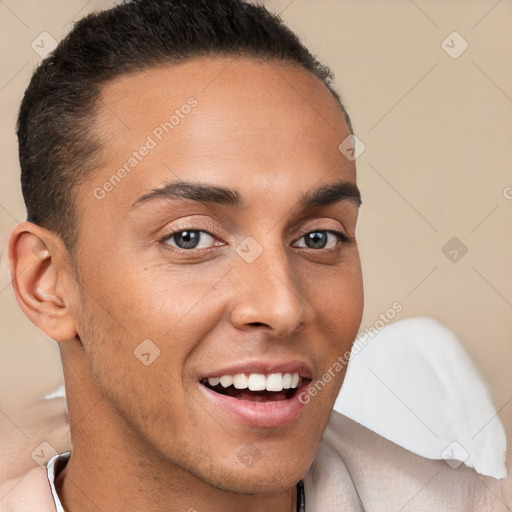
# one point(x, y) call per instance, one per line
point(437, 165)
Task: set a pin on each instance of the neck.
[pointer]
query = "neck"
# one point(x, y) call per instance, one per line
point(105, 485)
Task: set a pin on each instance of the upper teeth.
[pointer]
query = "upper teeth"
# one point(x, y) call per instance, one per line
point(258, 381)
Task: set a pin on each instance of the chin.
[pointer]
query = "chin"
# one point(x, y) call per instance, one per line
point(263, 474)
point(265, 481)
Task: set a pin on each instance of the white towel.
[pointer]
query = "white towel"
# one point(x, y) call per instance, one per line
point(415, 384)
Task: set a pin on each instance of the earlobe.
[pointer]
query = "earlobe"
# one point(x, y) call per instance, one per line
point(39, 279)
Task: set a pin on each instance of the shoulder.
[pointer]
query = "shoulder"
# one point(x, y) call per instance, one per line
point(388, 477)
point(27, 493)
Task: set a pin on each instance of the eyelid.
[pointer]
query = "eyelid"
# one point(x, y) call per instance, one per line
point(170, 234)
point(192, 253)
point(191, 223)
point(206, 225)
point(342, 237)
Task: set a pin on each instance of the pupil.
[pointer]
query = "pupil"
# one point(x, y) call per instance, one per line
point(316, 240)
point(186, 239)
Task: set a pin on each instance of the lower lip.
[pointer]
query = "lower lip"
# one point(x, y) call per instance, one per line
point(258, 414)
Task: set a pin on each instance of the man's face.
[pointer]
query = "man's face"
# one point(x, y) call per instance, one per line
point(255, 282)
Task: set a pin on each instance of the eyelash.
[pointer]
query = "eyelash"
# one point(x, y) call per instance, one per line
point(343, 239)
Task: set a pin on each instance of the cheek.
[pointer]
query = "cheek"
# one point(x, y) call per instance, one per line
point(336, 294)
point(137, 365)
point(138, 313)
point(158, 301)
point(338, 299)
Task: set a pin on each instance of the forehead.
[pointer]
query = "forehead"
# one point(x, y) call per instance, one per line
point(233, 121)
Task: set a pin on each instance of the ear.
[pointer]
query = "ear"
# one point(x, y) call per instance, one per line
point(42, 279)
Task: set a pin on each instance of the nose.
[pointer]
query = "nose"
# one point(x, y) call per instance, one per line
point(269, 296)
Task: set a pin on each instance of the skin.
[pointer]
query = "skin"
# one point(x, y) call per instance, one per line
point(144, 437)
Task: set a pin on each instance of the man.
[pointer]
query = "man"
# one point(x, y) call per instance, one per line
point(190, 244)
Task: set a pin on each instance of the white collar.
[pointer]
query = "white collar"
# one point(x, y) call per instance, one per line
point(54, 466)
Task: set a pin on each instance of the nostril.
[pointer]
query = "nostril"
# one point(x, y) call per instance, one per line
point(257, 323)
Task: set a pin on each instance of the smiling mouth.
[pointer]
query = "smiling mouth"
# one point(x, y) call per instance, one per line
point(254, 387)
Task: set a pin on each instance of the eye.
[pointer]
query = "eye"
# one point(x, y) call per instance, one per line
point(322, 239)
point(190, 239)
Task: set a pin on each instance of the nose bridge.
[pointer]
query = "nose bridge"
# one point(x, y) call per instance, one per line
point(268, 292)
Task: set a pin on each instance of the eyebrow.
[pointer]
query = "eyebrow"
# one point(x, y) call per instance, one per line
point(322, 196)
point(330, 194)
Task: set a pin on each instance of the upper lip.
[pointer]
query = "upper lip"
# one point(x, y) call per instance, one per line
point(264, 367)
